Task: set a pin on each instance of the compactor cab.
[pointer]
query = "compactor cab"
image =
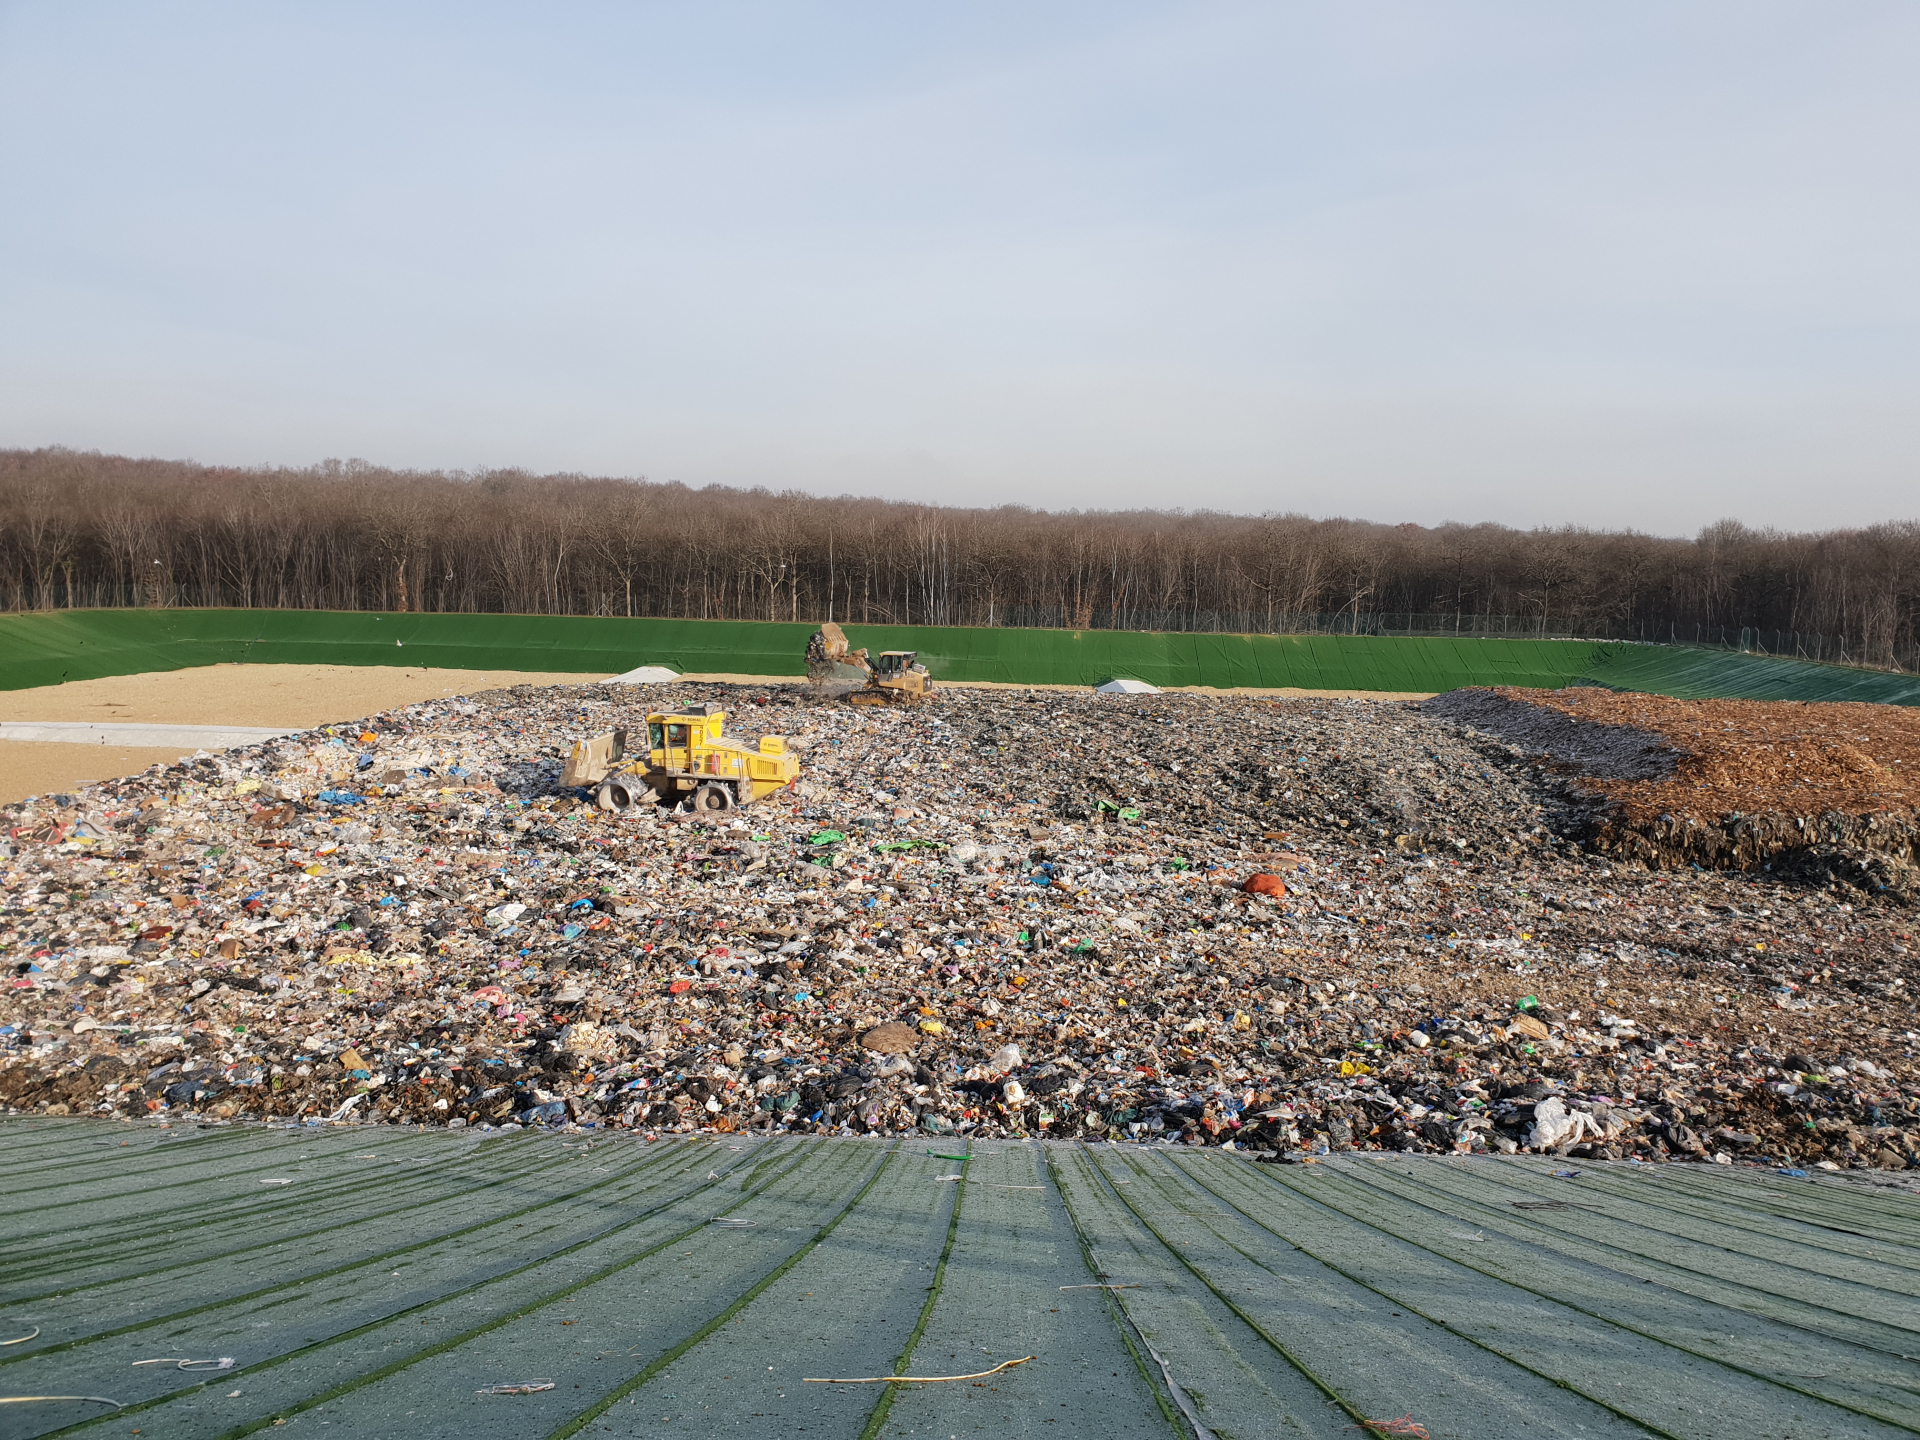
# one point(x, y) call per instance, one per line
point(671, 739)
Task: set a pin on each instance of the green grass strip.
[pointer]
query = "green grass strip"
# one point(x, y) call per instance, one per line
point(885, 1405)
point(620, 1392)
point(1360, 1421)
point(1116, 1311)
point(52, 647)
point(513, 1312)
point(1556, 1380)
point(385, 1257)
point(1550, 1298)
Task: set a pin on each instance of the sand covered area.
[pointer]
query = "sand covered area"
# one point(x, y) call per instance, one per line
point(290, 695)
point(302, 695)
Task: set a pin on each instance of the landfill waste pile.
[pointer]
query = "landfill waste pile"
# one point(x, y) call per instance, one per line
point(1292, 926)
point(1822, 791)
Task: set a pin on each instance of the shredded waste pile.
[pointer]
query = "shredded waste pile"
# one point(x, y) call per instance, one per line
point(1820, 791)
point(1292, 926)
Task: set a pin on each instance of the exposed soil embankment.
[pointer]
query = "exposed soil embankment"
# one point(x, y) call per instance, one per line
point(1823, 791)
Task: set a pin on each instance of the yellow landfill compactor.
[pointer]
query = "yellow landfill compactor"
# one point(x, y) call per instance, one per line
point(892, 676)
point(688, 758)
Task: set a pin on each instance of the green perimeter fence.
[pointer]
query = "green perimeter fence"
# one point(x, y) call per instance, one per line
point(46, 648)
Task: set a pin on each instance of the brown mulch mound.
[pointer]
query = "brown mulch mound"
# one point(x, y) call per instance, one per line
point(1828, 789)
point(1749, 756)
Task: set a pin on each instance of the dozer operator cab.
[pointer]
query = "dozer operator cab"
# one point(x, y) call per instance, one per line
point(893, 678)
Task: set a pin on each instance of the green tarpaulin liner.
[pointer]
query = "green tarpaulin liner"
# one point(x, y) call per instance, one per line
point(1722, 674)
point(49, 647)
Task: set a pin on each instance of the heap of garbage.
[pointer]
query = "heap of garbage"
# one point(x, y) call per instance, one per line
point(1285, 925)
point(1819, 791)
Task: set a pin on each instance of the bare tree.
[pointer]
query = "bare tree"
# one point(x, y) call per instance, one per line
point(89, 529)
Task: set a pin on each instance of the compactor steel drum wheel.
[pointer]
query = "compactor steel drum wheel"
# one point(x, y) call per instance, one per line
point(614, 795)
point(713, 797)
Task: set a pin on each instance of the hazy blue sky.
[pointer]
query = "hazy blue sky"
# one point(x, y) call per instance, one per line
point(1615, 264)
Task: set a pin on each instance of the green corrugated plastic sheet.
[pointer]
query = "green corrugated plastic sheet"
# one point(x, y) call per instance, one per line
point(1719, 674)
point(1310, 662)
point(42, 649)
point(47, 648)
point(382, 1279)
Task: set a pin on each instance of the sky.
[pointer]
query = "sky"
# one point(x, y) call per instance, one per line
point(1637, 265)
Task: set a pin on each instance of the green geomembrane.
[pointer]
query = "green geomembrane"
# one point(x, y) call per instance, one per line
point(47, 648)
point(1321, 1302)
point(1720, 674)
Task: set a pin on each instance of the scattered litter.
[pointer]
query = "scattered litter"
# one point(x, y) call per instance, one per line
point(923, 1379)
point(1132, 1286)
point(1566, 1174)
point(1405, 1425)
point(276, 1182)
point(1555, 1124)
point(515, 1387)
point(731, 1224)
point(1475, 1235)
point(225, 1362)
point(1034, 903)
point(24, 1338)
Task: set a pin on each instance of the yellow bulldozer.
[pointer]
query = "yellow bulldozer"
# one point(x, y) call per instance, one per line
point(893, 677)
point(688, 758)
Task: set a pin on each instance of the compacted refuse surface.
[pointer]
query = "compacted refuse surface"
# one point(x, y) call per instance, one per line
point(1293, 927)
point(187, 1278)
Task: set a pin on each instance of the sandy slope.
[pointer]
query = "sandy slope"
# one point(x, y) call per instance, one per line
point(299, 695)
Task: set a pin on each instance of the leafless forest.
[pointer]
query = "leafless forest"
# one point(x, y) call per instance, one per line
point(98, 530)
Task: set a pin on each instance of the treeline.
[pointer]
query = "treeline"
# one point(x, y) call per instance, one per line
point(98, 530)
